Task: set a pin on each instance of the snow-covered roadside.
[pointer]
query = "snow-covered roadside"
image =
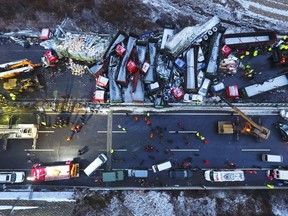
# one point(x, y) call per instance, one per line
point(212, 203)
point(39, 196)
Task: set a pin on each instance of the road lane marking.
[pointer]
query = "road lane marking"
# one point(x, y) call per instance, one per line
point(247, 150)
point(177, 114)
point(115, 150)
point(104, 132)
point(120, 150)
point(180, 150)
point(46, 131)
point(182, 132)
point(39, 150)
point(109, 139)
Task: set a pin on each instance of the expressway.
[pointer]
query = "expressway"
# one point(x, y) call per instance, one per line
point(104, 132)
point(129, 148)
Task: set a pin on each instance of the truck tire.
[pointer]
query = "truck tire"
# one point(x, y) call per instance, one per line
point(210, 32)
point(214, 29)
point(205, 37)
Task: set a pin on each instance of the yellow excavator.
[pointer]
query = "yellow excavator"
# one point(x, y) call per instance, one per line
point(249, 127)
point(22, 84)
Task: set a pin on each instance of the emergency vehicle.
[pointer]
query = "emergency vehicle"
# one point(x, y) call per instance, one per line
point(42, 172)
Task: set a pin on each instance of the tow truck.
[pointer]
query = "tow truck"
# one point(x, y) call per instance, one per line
point(250, 127)
point(15, 68)
point(41, 172)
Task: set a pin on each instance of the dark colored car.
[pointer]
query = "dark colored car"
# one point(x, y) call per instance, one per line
point(180, 173)
point(283, 128)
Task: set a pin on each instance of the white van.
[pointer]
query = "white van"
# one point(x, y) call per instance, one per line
point(224, 175)
point(12, 177)
point(99, 161)
point(204, 87)
point(272, 158)
point(280, 174)
point(162, 166)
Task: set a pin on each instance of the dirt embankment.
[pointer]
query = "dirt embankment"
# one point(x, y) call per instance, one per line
point(103, 16)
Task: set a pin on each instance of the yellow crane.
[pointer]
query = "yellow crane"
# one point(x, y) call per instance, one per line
point(250, 127)
point(15, 68)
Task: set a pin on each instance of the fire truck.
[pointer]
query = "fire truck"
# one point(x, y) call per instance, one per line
point(41, 172)
point(15, 68)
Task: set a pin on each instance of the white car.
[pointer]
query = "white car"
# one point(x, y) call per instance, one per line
point(12, 177)
point(284, 114)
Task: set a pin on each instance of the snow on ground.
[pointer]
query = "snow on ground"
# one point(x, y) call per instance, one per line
point(279, 204)
point(151, 203)
point(174, 203)
point(260, 14)
point(44, 196)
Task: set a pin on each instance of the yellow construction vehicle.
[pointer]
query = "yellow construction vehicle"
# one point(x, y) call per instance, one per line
point(249, 127)
point(15, 68)
point(22, 84)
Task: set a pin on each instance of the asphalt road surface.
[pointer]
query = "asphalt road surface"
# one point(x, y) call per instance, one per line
point(129, 148)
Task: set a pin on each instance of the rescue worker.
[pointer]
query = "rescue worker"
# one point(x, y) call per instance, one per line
point(148, 122)
point(202, 138)
point(198, 134)
point(43, 119)
point(78, 128)
point(230, 164)
point(198, 102)
point(242, 56)
point(247, 53)
point(255, 53)
point(249, 74)
point(13, 96)
point(73, 128)
point(112, 151)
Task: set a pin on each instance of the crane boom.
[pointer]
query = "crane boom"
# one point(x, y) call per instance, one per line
point(251, 126)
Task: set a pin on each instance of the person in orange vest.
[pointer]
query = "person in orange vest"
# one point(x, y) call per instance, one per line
point(148, 122)
point(136, 118)
point(72, 128)
point(78, 128)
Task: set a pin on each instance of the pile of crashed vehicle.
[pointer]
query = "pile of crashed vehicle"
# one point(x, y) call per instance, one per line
point(161, 67)
point(165, 67)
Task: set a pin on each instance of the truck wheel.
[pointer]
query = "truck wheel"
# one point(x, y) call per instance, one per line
point(205, 37)
point(214, 29)
point(210, 32)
